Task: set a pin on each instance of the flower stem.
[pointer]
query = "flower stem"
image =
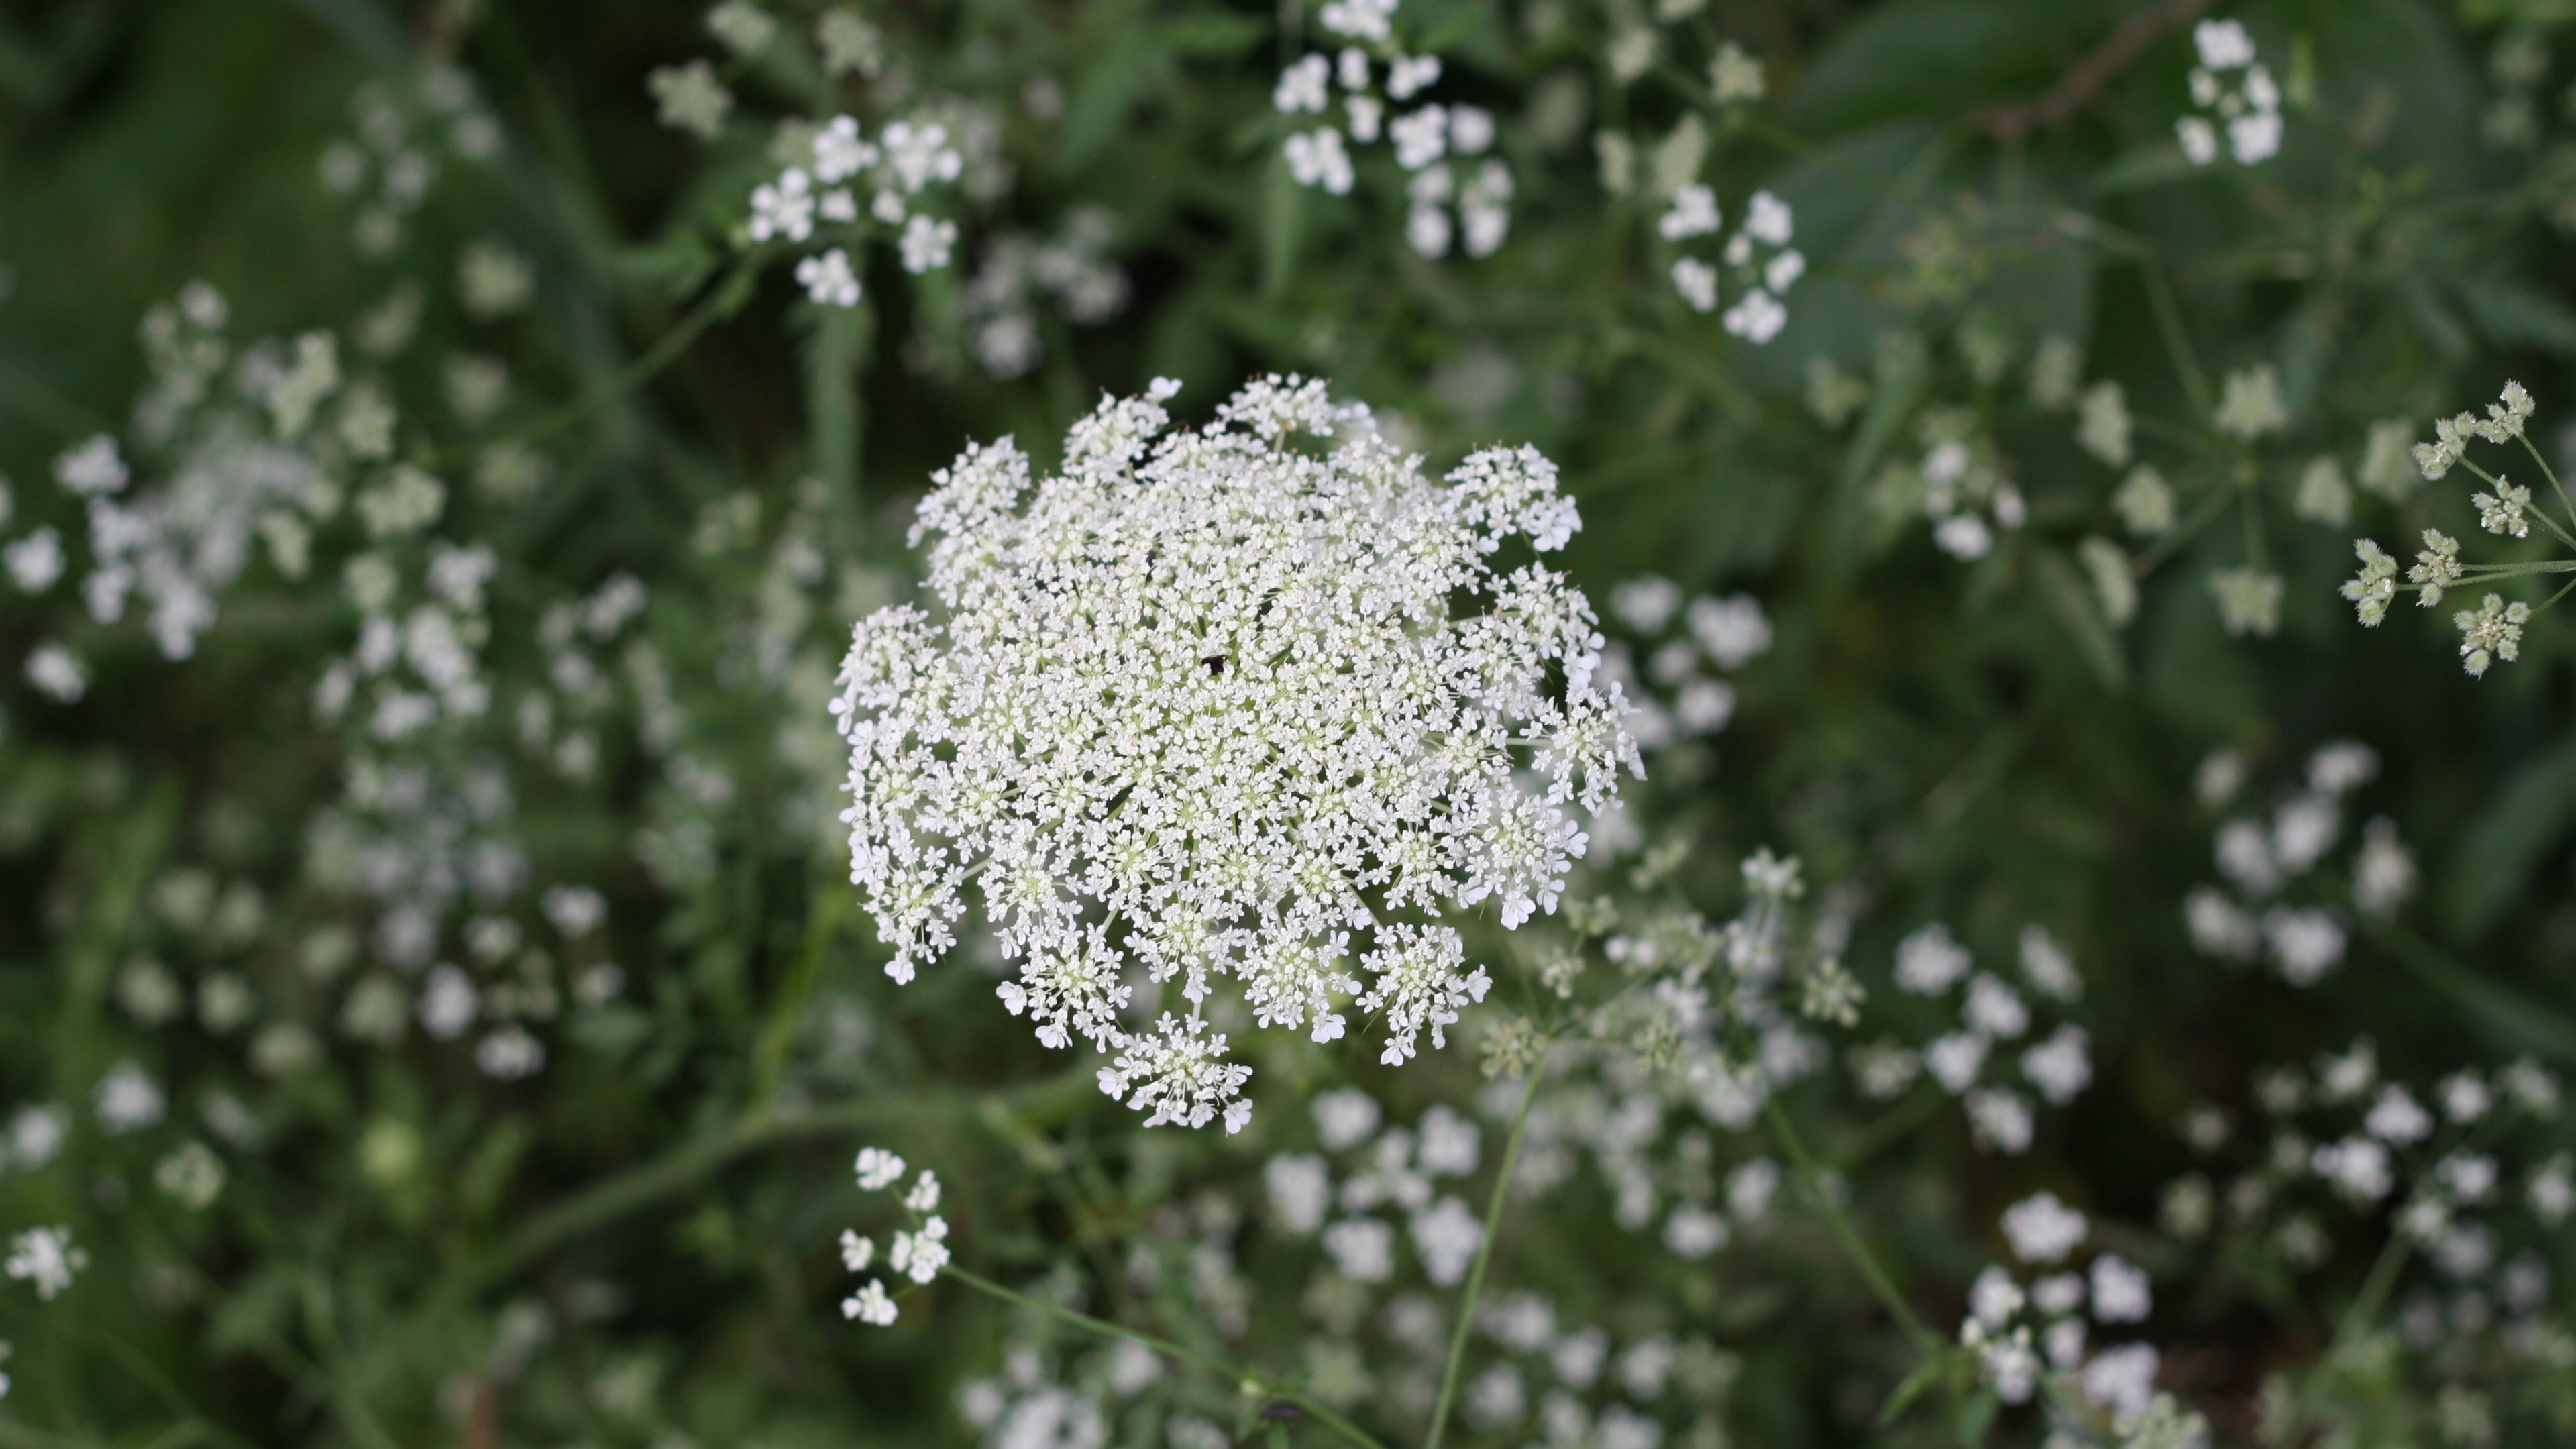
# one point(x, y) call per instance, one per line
point(2551, 474)
point(2375, 1289)
point(2472, 572)
point(1309, 1406)
point(721, 301)
point(2181, 533)
point(683, 1167)
point(1916, 1331)
point(1484, 1255)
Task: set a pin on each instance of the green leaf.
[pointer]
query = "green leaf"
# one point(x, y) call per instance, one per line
point(1945, 58)
point(2504, 845)
point(2516, 314)
point(2512, 1017)
point(1977, 1416)
point(1125, 68)
point(1283, 217)
point(1211, 37)
point(1925, 1375)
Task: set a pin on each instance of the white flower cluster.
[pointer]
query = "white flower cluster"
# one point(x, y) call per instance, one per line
point(2059, 1065)
point(2490, 632)
point(1721, 1011)
point(1397, 1172)
point(1205, 703)
point(2346, 1144)
point(2023, 1332)
point(2493, 630)
point(1001, 321)
point(1959, 482)
point(393, 158)
point(45, 1260)
point(249, 457)
point(917, 1254)
point(33, 1136)
point(1031, 1404)
point(2231, 89)
point(2508, 418)
point(127, 1100)
point(2263, 860)
point(1465, 204)
point(1574, 1384)
point(1688, 641)
point(178, 547)
point(1758, 256)
point(907, 158)
point(422, 837)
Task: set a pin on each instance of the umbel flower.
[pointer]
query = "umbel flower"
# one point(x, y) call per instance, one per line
point(1251, 701)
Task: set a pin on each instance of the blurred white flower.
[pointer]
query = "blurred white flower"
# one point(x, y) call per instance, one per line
point(45, 1260)
point(2043, 1229)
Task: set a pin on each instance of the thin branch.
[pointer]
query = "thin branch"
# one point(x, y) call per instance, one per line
point(721, 300)
point(1917, 1333)
point(682, 1168)
point(2084, 80)
point(1322, 1413)
point(1484, 1253)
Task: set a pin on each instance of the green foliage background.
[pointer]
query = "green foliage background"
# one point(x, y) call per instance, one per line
point(1968, 742)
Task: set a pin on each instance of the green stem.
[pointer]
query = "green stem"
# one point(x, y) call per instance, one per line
point(2514, 570)
point(787, 1013)
point(2374, 1292)
point(2160, 299)
point(1321, 1413)
point(1925, 1341)
point(2195, 384)
point(39, 404)
point(683, 1167)
point(2535, 1025)
point(1484, 1255)
point(720, 301)
point(296, 1367)
point(1897, 1124)
point(2181, 533)
point(2551, 474)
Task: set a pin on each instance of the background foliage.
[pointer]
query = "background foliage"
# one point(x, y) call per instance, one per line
point(636, 1244)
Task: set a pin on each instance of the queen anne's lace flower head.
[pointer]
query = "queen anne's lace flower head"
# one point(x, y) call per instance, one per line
point(1208, 703)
